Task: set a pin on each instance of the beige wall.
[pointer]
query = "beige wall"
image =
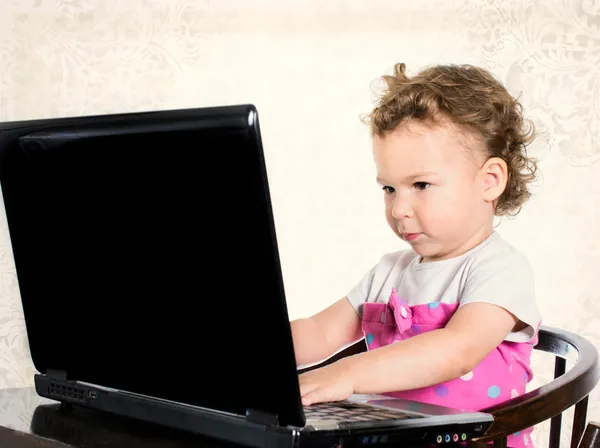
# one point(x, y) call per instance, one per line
point(309, 66)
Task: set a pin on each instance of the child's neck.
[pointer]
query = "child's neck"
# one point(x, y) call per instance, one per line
point(482, 235)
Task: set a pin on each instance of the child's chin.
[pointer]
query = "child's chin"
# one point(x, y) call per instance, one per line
point(426, 253)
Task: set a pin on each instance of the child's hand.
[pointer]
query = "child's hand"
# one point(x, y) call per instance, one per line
point(329, 383)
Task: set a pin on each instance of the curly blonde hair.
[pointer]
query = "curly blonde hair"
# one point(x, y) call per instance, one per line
point(473, 99)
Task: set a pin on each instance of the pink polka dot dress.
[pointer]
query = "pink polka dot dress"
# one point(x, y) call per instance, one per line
point(502, 375)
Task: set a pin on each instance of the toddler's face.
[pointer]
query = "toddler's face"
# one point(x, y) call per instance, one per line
point(433, 188)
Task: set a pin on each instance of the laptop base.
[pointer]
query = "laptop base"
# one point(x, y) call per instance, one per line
point(243, 431)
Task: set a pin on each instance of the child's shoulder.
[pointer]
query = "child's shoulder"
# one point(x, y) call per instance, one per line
point(496, 254)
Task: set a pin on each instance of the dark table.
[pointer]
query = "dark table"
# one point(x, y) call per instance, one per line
point(27, 421)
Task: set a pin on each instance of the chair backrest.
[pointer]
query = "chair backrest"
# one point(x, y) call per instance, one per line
point(546, 402)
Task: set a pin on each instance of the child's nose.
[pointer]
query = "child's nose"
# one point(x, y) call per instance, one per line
point(401, 208)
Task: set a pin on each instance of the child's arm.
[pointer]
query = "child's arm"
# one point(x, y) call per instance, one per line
point(320, 336)
point(423, 360)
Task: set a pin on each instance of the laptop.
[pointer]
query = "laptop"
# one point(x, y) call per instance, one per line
point(148, 267)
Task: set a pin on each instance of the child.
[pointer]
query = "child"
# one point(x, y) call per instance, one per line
point(453, 320)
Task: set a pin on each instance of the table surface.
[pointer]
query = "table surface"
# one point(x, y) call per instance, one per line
point(28, 420)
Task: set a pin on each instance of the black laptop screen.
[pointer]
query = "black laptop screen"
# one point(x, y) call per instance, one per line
point(146, 257)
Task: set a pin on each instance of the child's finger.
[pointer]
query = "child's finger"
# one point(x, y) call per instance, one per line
point(311, 398)
point(307, 387)
point(318, 395)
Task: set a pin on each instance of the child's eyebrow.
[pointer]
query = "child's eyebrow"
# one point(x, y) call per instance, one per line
point(410, 177)
point(421, 174)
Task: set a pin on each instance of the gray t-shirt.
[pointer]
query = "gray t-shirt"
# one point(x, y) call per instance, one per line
point(492, 272)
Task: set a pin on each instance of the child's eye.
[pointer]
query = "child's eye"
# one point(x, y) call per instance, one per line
point(388, 190)
point(421, 185)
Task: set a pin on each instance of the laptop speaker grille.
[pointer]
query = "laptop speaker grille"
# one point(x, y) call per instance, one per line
point(71, 392)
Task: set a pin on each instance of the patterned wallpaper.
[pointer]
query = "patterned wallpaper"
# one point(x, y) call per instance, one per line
point(310, 67)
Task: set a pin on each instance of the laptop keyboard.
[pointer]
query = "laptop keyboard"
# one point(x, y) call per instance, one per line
point(352, 412)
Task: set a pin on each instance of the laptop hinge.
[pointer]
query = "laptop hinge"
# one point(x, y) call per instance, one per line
point(56, 374)
point(261, 417)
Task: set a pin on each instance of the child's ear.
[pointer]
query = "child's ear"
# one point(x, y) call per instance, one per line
point(495, 177)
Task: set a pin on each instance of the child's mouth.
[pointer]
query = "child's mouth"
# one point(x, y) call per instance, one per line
point(410, 236)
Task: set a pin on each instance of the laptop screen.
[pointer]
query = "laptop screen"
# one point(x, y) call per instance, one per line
point(147, 259)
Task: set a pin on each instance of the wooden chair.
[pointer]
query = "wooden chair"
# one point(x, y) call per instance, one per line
point(591, 436)
point(549, 401)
